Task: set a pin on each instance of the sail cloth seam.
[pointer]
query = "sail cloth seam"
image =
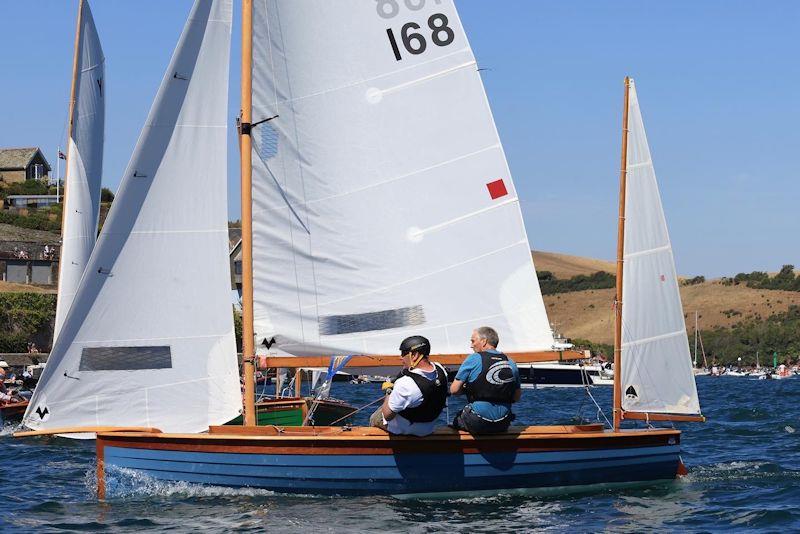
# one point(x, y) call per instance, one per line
point(647, 163)
point(647, 252)
point(428, 274)
point(428, 77)
point(93, 67)
point(133, 390)
point(159, 232)
point(421, 232)
point(117, 341)
point(387, 75)
point(653, 338)
point(397, 178)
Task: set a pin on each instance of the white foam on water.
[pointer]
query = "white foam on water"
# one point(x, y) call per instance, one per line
point(9, 428)
point(124, 483)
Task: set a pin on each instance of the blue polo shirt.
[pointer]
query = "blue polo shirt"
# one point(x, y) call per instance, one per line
point(470, 370)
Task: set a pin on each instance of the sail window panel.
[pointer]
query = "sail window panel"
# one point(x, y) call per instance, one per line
point(502, 300)
point(330, 325)
point(125, 358)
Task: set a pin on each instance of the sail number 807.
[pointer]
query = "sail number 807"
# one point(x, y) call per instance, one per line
point(414, 42)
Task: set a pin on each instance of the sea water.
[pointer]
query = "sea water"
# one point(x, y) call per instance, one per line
point(744, 473)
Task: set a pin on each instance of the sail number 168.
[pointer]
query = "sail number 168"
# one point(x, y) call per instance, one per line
point(414, 42)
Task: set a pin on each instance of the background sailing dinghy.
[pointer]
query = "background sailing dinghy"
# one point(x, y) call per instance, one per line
point(85, 131)
point(358, 124)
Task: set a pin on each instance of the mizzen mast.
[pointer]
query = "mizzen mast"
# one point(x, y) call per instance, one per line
point(623, 174)
point(246, 155)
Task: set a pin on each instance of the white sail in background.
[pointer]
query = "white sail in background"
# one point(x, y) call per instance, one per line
point(656, 365)
point(383, 204)
point(84, 165)
point(149, 340)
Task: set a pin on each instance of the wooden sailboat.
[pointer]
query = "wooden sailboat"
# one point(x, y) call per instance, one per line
point(367, 460)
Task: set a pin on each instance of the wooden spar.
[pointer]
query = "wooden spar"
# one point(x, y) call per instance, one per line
point(384, 360)
point(643, 416)
point(298, 382)
point(84, 430)
point(246, 155)
point(623, 174)
point(70, 126)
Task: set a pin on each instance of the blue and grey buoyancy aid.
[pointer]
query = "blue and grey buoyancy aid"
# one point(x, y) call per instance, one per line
point(434, 396)
point(496, 382)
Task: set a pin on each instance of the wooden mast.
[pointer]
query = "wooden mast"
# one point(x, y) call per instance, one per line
point(623, 174)
point(70, 127)
point(246, 155)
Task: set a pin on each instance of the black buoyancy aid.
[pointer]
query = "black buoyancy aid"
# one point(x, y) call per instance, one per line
point(434, 396)
point(496, 383)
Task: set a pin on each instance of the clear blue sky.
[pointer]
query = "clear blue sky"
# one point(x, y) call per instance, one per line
point(718, 81)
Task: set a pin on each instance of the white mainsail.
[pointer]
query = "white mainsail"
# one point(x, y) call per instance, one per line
point(382, 201)
point(84, 165)
point(149, 339)
point(656, 364)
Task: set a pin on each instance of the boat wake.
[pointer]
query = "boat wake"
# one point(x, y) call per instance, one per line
point(739, 470)
point(124, 483)
point(8, 429)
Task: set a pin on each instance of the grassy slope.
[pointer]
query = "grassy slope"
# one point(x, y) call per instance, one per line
point(588, 314)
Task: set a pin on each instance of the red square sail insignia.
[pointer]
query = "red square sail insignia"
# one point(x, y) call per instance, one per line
point(497, 189)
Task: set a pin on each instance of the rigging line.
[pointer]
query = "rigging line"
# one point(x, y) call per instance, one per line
point(283, 194)
point(351, 414)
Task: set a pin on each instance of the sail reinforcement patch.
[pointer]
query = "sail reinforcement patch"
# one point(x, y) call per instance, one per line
point(125, 358)
point(331, 325)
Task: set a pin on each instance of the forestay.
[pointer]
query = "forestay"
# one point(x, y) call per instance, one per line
point(656, 365)
point(84, 164)
point(383, 204)
point(149, 340)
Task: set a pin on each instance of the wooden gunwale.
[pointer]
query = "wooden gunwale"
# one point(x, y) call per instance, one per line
point(347, 443)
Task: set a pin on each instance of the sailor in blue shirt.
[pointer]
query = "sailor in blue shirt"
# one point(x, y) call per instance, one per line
point(491, 382)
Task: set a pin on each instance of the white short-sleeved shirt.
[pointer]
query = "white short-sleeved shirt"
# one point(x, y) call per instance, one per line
point(406, 394)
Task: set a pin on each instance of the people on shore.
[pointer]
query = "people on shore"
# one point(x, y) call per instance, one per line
point(417, 396)
point(491, 382)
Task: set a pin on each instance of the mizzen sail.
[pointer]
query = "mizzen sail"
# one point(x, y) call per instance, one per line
point(149, 339)
point(382, 201)
point(656, 364)
point(84, 164)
